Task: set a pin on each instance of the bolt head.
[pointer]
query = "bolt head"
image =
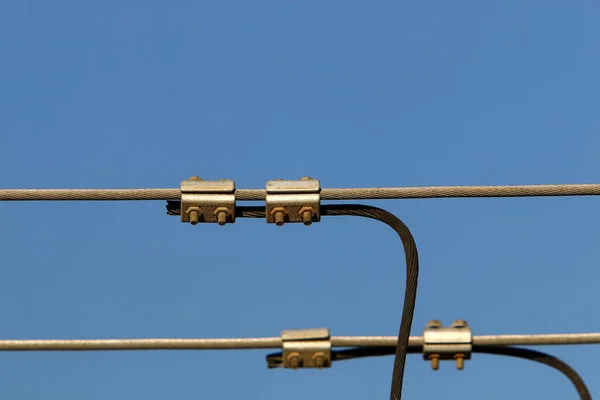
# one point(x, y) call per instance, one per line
point(459, 323)
point(195, 178)
point(222, 209)
point(319, 360)
point(435, 361)
point(294, 360)
point(306, 178)
point(275, 210)
point(434, 323)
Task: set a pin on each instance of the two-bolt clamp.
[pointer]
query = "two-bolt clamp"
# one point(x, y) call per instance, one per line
point(447, 343)
point(207, 201)
point(293, 201)
point(306, 348)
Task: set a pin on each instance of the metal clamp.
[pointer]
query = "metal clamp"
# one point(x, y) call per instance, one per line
point(294, 201)
point(207, 201)
point(447, 343)
point(306, 348)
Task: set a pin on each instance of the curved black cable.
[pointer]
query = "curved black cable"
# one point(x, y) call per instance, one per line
point(412, 269)
point(274, 360)
point(412, 277)
point(544, 358)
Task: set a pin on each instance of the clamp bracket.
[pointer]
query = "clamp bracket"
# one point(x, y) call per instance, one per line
point(306, 348)
point(207, 201)
point(447, 343)
point(293, 201)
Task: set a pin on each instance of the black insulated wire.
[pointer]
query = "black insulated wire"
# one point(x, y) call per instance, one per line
point(518, 352)
point(543, 358)
point(412, 277)
point(412, 271)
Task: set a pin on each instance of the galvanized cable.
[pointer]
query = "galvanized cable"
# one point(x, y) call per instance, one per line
point(389, 342)
point(275, 360)
point(326, 194)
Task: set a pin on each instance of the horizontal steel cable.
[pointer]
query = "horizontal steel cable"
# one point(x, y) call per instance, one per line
point(275, 342)
point(326, 194)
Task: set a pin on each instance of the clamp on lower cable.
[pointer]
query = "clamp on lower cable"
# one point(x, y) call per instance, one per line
point(447, 343)
point(303, 348)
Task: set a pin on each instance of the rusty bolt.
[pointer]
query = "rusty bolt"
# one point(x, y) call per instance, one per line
point(319, 359)
point(460, 361)
point(435, 361)
point(307, 214)
point(459, 323)
point(194, 214)
point(194, 217)
point(195, 178)
point(434, 323)
point(294, 360)
point(222, 213)
point(306, 178)
point(279, 214)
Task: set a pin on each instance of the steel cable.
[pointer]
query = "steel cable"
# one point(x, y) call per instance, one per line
point(275, 360)
point(326, 194)
point(412, 273)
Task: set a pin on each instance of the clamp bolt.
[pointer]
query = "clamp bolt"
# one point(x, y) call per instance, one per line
point(435, 361)
point(459, 323)
point(460, 361)
point(295, 360)
point(279, 214)
point(194, 217)
point(319, 360)
point(307, 214)
point(222, 213)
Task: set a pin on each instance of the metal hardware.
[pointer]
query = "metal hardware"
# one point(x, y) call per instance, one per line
point(293, 201)
point(447, 343)
point(306, 348)
point(207, 201)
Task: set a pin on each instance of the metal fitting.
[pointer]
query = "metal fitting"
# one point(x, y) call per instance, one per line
point(447, 343)
point(207, 201)
point(293, 201)
point(306, 348)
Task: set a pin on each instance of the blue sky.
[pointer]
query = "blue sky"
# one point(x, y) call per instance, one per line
point(121, 94)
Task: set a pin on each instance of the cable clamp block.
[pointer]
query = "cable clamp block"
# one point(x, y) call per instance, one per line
point(207, 201)
point(306, 348)
point(447, 343)
point(293, 201)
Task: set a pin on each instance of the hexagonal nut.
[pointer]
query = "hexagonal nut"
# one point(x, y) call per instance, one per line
point(307, 208)
point(222, 209)
point(294, 360)
point(319, 360)
point(275, 210)
point(190, 209)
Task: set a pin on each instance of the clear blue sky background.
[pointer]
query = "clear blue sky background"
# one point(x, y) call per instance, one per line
point(118, 94)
